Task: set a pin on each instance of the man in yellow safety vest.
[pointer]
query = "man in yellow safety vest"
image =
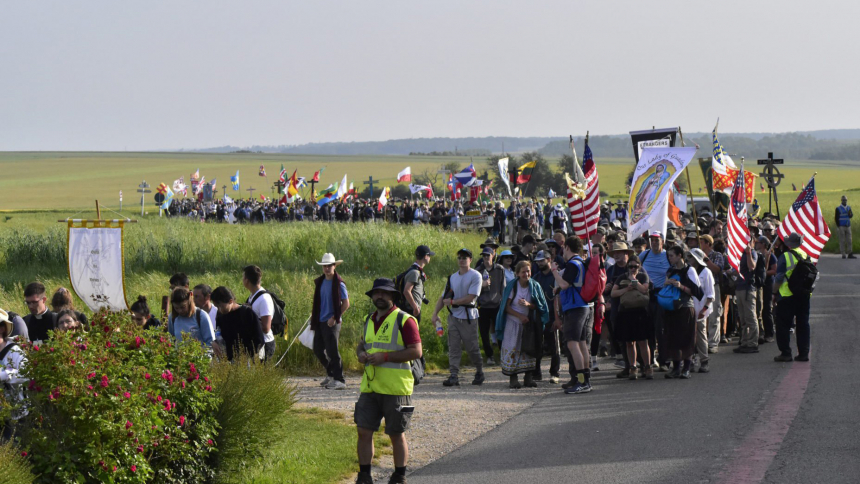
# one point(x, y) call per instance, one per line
point(390, 341)
point(792, 310)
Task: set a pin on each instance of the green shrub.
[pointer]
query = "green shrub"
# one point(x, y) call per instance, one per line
point(119, 405)
point(14, 467)
point(254, 397)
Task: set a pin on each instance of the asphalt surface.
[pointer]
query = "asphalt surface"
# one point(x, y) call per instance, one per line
point(749, 420)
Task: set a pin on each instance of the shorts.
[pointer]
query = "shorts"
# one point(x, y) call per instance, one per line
point(577, 324)
point(372, 407)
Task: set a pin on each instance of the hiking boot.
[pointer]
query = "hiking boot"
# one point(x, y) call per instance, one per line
point(336, 385)
point(704, 368)
point(675, 373)
point(529, 381)
point(633, 376)
point(801, 358)
point(553, 380)
point(364, 478)
point(479, 378)
point(515, 382)
point(452, 381)
point(397, 479)
point(326, 381)
point(625, 373)
point(783, 358)
point(746, 349)
point(649, 374)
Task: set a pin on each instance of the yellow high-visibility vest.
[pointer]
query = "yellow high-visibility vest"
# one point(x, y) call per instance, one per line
point(387, 378)
point(790, 264)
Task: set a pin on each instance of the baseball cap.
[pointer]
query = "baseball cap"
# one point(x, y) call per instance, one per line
point(465, 251)
point(541, 256)
point(655, 233)
point(528, 239)
point(423, 251)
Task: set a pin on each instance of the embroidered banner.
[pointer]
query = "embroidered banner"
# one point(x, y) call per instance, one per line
point(96, 263)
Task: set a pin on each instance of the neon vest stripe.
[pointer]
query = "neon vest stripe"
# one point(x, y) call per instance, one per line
point(388, 378)
point(790, 264)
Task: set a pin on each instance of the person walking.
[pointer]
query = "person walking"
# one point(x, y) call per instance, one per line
point(389, 342)
point(522, 297)
point(765, 251)
point(141, 315)
point(460, 294)
point(630, 299)
point(546, 279)
point(745, 294)
point(680, 323)
point(41, 319)
point(577, 316)
point(843, 228)
point(12, 358)
point(203, 300)
point(702, 305)
point(715, 262)
point(240, 326)
point(493, 283)
point(262, 304)
point(413, 282)
point(186, 318)
point(331, 301)
point(792, 310)
point(655, 263)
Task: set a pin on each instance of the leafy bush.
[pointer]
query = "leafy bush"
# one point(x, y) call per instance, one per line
point(119, 404)
point(254, 399)
point(14, 467)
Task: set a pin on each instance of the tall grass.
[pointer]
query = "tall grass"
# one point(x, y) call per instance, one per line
point(214, 254)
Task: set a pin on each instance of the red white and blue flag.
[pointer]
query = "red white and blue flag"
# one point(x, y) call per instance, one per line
point(804, 218)
point(468, 177)
point(454, 186)
point(585, 214)
point(739, 232)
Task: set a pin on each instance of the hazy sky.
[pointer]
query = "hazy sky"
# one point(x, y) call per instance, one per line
point(114, 75)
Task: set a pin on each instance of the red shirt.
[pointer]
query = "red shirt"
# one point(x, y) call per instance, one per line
point(409, 331)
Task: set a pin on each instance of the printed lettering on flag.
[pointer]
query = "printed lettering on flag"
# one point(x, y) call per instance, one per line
point(657, 170)
point(739, 232)
point(805, 219)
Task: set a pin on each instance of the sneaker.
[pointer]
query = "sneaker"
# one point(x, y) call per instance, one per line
point(663, 368)
point(553, 380)
point(801, 358)
point(685, 375)
point(364, 478)
point(490, 361)
point(746, 349)
point(572, 383)
point(335, 385)
point(768, 339)
point(713, 349)
point(619, 363)
point(844, 256)
point(649, 376)
point(479, 378)
point(452, 381)
point(396, 479)
point(578, 388)
point(851, 256)
point(673, 374)
point(587, 387)
point(326, 381)
point(724, 341)
point(704, 368)
point(783, 358)
point(633, 376)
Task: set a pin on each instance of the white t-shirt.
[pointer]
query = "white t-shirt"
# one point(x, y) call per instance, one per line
point(264, 306)
point(468, 283)
point(706, 282)
point(213, 313)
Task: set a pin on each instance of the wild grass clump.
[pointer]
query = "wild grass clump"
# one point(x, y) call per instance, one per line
point(253, 397)
point(14, 467)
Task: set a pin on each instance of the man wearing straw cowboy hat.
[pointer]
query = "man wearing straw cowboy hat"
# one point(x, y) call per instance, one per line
point(389, 342)
point(326, 317)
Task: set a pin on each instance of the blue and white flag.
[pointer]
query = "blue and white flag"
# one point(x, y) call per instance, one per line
point(468, 177)
point(168, 197)
point(235, 181)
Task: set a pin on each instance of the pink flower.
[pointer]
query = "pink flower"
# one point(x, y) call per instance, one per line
point(166, 437)
point(51, 350)
point(133, 468)
point(183, 384)
point(91, 375)
point(208, 388)
point(158, 398)
point(181, 420)
point(23, 454)
point(146, 376)
point(105, 382)
point(209, 442)
point(128, 424)
point(72, 362)
point(127, 395)
point(95, 394)
point(130, 434)
point(107, 329)
point(114, 467)
point(155, 444)
point(139, 449)
point(50, 397)
point(137, 341)
point(206, 379)
point(35, 347)
point(89, 387)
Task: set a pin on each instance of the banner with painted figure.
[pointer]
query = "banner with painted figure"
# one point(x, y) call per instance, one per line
point(652, 180)
point(503, 173)
point(96, 263)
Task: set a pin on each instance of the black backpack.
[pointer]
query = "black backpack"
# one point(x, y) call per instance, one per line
point(279, 318)
point(803, 278)
point(400, 284)
point(760, 272)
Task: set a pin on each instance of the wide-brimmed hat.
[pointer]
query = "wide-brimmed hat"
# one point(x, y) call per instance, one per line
point(4, 319)
point(506, 253)
point(490, 242)
point(793, 240)
point(620, 247)
point(698, 255)
point(328, 260)
point(382, 284)
point(558, 206)
point(691, 235)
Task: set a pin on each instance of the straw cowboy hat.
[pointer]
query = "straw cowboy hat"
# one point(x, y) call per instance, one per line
point(4, 319)
point(620, 247)
point(328, 259)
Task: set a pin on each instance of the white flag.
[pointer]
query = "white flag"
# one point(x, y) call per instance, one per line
point(417, 188)
point(503, 172)
point(342, 188)
point(405, 175)
point(652, 180)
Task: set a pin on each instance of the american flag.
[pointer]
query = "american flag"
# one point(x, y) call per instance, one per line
point(584, 214)
point(739, 233)
point(804, 218)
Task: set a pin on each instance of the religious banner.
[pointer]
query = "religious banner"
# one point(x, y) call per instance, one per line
point(652, 180)
point(96, 263)
point(652, 138)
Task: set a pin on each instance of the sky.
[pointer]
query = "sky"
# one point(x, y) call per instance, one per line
point(108, 75)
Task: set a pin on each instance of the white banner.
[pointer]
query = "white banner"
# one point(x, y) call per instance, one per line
point(656, 171)
point(503, 173)
point(96, 267)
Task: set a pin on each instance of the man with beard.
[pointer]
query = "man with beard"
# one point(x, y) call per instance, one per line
point(390, 341)
point(546, 279)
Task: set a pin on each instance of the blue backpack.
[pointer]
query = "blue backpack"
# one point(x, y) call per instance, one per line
point(669, 297)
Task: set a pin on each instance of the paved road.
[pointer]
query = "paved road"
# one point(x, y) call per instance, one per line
point(750, 420)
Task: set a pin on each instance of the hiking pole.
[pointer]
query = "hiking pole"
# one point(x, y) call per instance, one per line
point(293, 342)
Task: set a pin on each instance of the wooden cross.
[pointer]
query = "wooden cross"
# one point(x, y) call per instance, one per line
point(250, 191)
point(142, 189)
point(773, 177)
point(370, 182)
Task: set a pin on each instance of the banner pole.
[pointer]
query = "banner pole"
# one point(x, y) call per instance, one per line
point(98, 211)
point(690, 189)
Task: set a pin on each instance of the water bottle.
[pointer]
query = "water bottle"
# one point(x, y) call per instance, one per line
point(439, 330)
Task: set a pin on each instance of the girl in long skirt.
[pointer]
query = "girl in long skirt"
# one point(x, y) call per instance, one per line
point(679, 325)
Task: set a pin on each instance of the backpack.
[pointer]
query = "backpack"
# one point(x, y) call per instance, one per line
point(669, 297)
point(759, 272)
point(5, 351)
point(594, 282)
point(400, 284)
point(803, 278)
point(279, 318)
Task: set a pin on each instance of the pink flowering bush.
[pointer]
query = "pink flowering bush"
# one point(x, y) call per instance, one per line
point(119, 405)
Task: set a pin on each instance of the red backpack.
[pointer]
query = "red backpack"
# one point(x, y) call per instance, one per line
point(594, 281)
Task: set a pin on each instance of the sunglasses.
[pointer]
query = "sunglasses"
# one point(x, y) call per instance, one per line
point(632, 266)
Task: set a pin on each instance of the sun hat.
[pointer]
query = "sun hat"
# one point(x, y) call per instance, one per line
point(506, 253)
point(793, 241)
point(4, 318)
point(328, 259)
point(558, 206)
point(698, 255)
point(490, 242)
point(691, 235)
point(707, 238)
point(382, 284)
point(620, 247)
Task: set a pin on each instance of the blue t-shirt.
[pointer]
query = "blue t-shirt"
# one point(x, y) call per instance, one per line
point(570, 298)
point(202, 333)
point(656, 266)
point(327, 302)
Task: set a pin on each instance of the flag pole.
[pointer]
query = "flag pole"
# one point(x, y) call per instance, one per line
point(582, 202)
point(692, 200)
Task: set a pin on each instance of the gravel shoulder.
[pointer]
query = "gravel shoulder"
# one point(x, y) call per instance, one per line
point(445, 417)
